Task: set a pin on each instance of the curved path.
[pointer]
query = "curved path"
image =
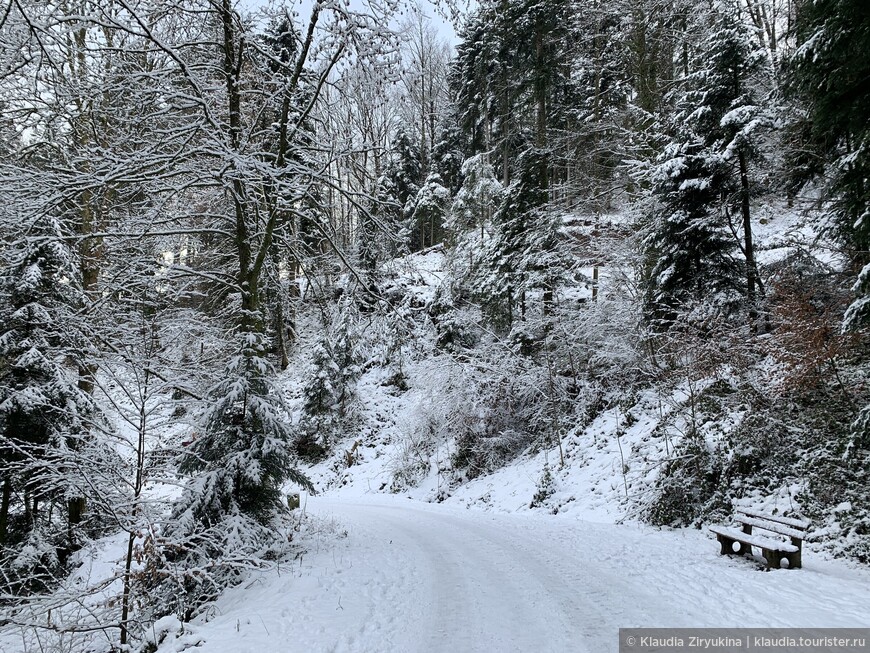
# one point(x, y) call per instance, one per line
point(419, 577)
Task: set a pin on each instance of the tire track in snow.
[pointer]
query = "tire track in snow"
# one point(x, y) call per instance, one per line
point(483, 589)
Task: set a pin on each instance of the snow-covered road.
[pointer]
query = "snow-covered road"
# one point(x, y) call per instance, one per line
point(419, 577)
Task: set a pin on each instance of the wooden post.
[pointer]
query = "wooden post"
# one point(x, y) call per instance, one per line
point(594, 283)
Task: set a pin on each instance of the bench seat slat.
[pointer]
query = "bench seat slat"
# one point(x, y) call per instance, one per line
point(773, 527)
point(754, 540)
point(788, 521)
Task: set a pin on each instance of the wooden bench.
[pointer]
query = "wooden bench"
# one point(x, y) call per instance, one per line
point(773, 549)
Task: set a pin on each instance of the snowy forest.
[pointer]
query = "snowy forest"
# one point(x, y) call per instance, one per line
point(578, 257)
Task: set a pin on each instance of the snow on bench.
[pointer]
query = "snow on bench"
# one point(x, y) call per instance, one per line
point(801, 524)
point(761, 542)
point(773, 550)
point(773, 527)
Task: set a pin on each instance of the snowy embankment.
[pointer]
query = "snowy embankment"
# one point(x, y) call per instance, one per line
point(419, 577)
point(605, 465)
point(405, 552)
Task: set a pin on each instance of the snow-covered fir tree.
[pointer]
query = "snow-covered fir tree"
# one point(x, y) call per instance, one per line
point(330, 389)
point(237, 463)
point(702, 178)
point(524, 254)
point(45, 418)
point(473, 204)
point(430, 209)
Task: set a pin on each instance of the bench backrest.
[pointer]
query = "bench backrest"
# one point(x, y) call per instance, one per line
point(790, 522)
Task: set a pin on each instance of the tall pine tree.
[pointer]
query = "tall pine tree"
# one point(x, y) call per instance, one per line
point(830, 76)
point(703, 179)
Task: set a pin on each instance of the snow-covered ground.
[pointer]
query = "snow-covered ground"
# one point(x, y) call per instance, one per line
point(411, 577)
point(385, 570)
point(480, 571)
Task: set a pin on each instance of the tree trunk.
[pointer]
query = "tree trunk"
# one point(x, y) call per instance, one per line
point(251, 321)
point(75, 508)
point(505, 134)
point(541, 142)
point(595, 283)
point(137, 493)
point(540, 91)
point(749, 248)
point(4, 509)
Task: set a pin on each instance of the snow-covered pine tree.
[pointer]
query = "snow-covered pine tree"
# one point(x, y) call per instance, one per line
point(828, 77)
point(687, 245)
point(330, 389)
point(476, 199)
point(430, 210)
point(525, 253)
point(447, 155)
point(228, 516)
point(381, 229)
point(319, 421)
point(589, 107)
point(732, 120)
point(484, 87)
point(701, 177)
point(468, 79)
point(406, 175)
point(45, 418)
point(242, 457)
point(396, 320)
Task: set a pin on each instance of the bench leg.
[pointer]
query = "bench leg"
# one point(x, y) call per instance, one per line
point(771, 558)
point(794, 560)
point(727, 545)
point(774, 559)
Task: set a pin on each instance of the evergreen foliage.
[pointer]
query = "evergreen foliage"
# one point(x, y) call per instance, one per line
point(473, 202)
point(829, 76)
point(243, 455)
point(701, 179)
point(406, 177)
point(688, 249)
point(229, 513)
point(330, 391)
point(382, 232)
point(45, 418)
point(430, 209)
point(524, 253)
